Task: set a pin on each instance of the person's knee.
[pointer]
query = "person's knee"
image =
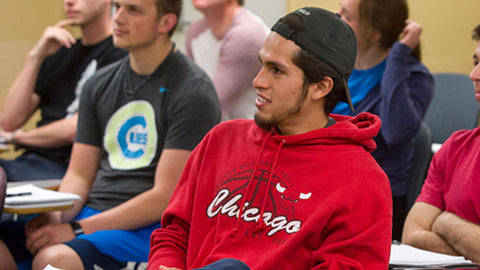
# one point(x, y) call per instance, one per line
point(60, 256)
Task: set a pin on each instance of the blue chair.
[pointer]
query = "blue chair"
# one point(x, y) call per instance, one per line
point(421, 161)
point(453, 106)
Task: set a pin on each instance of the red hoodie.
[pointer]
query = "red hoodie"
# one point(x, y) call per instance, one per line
point(327, 205)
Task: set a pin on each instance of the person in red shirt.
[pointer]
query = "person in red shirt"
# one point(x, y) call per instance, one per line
point(446, 216)
point(295, 188)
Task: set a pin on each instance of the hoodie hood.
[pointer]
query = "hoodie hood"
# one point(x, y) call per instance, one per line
point(358, 130)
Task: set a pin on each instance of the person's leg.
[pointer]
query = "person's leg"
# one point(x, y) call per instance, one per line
point(31, 166)
point(60, 256)
point(12, 247)
point(130, 246)
point(7, 259)
point(226, 264)
point(90, 257)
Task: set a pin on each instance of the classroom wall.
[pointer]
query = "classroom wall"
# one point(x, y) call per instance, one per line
point(21, 25)
point(446, 39)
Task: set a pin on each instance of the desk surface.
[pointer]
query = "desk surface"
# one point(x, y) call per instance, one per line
point(52, 184)
point(36, 210)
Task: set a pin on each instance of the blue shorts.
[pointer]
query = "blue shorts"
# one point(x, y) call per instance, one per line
point(114, 249)
point(32, 166)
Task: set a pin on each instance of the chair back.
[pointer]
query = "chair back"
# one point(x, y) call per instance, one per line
point(421, 160)
point(453, 106)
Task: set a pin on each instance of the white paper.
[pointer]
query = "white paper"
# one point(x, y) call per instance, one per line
point(39, 196)
point(407, 255)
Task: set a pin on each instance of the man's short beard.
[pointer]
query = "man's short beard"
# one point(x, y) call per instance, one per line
point(267, 124)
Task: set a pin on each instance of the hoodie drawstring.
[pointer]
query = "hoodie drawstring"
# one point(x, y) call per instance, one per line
point(260, 226)
point(242, 205)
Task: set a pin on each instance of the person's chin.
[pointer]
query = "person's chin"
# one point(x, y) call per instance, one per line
point(262, 121)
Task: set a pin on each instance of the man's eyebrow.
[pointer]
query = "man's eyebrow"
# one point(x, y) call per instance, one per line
point(271, 63)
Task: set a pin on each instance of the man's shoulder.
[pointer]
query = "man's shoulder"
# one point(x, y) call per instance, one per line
point(62, 54)
point(196, 28)
point(462, 140)
point(233, 128)
point(183, 71)
point(247, 24)
point(105, 74)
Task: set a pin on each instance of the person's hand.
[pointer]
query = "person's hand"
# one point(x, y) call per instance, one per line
point(48, 235)
point(53, 38)
point(39, 221)
point(411, 34)
point(163, 267)
point(7, 136)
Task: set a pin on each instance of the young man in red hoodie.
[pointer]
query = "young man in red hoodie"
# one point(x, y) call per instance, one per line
point(296, 189)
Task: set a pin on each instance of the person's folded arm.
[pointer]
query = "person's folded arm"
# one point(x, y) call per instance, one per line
point(461, 234)
point(418, 232)
point(148, 206)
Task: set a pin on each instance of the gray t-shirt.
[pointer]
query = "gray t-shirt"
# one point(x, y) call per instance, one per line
point(133, 118)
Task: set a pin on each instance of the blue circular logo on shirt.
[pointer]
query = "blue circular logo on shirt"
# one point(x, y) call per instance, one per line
point(131, 136)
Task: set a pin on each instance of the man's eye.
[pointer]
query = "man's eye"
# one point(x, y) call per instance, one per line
point(134, 9)
point(277, 70)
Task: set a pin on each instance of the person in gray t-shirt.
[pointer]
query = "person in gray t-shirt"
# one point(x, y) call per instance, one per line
point(139, 119)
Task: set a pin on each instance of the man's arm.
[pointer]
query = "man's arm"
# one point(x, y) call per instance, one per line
point(83, 166)
point(148, 206)
point(461, 234)
point(21, 101)
point(418, 232)
point(56, 134)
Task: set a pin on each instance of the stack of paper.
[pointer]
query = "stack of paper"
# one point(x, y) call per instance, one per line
point(405, 256)
point(31, 196)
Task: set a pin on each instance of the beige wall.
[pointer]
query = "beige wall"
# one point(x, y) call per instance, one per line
point(447, 26)
point(21, 24)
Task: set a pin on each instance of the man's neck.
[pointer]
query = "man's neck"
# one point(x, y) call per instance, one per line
point(97, 30)
point(371, 57)
point(305, 121)
point(144, 61)
point(219, 19)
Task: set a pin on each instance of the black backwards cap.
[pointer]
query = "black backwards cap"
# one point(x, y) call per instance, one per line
point(326, 36)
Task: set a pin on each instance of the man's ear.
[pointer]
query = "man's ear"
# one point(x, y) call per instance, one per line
point(376, 36)
point(167, 23)
point(321, 88)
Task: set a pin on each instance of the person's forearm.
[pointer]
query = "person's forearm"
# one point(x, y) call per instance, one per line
point(20, 101)
point(462, 235)
point(429, 241)
point(146, 207)
point(56, 134)
point(76, 184)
